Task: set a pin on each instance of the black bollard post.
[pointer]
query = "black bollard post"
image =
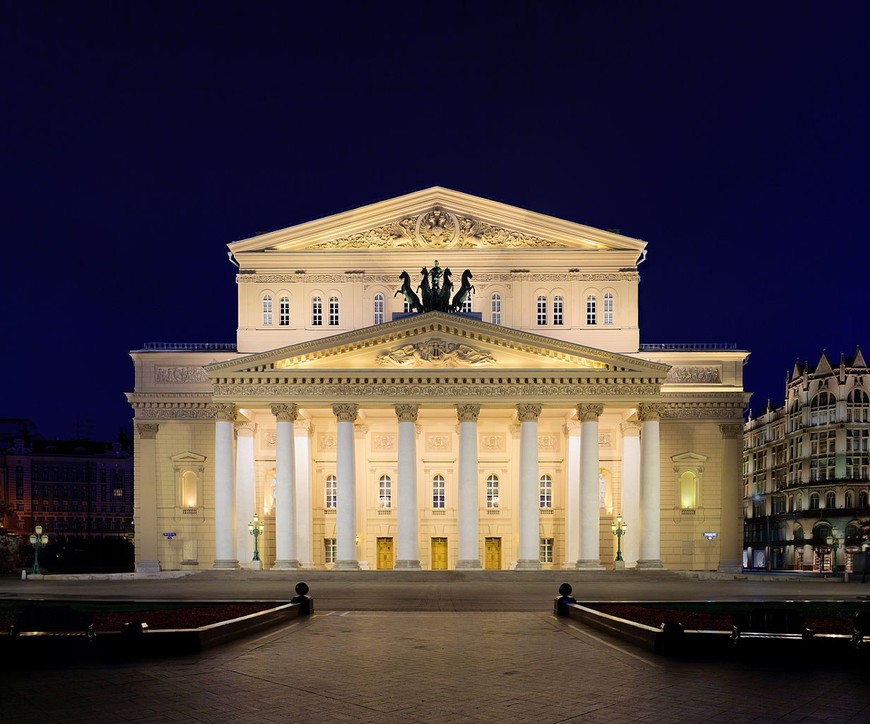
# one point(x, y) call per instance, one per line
point(560, 605)
point(305, 602)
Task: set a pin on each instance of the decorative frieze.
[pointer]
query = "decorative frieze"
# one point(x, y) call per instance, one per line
point(491, 442)
point(435, 353)
point(383, 442)
point(479, 278)
point(439, 442)
point(180, 376)
point(326, 442)
point(548, 442)
point(694, 375)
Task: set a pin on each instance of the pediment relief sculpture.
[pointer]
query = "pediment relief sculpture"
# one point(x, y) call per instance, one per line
point(435, 353)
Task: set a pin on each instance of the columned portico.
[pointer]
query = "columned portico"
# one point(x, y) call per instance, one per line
point(590, 558)
point(225, 543)
point(285, 487)
point(650, 486)
point(469, 544)
point(345, 468)
point(731, 538)
point(529, 557)
point(407, 549)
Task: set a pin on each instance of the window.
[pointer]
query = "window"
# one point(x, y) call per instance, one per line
point(267, 309)
point(466, 305)
point(329, 550)
point(799, 502)
point(284, 312)
point(379, 308)
point(814, 501)
point(688, 490)
point(406, 307)
point(607, 310)
point(858, 406)
point(333, 311)
point(849, 499)
point(438, 492)
point(591, 309)
point(822, 408)
point(558, 317)
point(798, 532)
point(542, 310)
point(862, 499)
point(188, 489)
point(495, 308)
point(492, 491)
point(316, 312)
point(19, 481)
point(385, 492)
point(830, 499)
point(546, 550)
point(546, 491)
point(331, 487)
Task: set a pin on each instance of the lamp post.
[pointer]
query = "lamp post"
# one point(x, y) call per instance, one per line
point(256, 528)
point(617, 527)
point(38, 539)
point(834, 542)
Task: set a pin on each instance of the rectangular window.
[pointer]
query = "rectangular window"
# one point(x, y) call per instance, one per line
point(546, 550)
point(267, 310)
point(542, 310)
point(591, 310)
point(558, 317)
point(333, 311)
point(284, 312)
point(329, 550)
point(317, 312)
point(608, 308)
point(546, 491)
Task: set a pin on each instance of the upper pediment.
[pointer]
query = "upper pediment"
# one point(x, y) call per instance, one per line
point(437, 341)
point(436, 219)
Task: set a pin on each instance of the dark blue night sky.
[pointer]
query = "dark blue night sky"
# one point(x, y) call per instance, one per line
point(138, 139)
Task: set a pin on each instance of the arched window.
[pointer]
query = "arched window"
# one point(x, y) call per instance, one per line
point(316, 312)
point(333, 311)
point(607, 310)
point(799, 502)
point(331, 491)
point(189, 489)
point(379, 308)
point(822, 408)
point(858, 406)
point(821, 531)
point(542, 310)
point(438, 492)
point(284, 312)
point(688, 490)
point(558, 316)
point(492, 491)
point(830, 499)
point(849, 499)
point(495, 308)
point(591, 309)
point(267, 309)
point(798, 532)
point(853, 532)
point(546, 491)
point(814, 501)
point(862, 499)
point(385, 492)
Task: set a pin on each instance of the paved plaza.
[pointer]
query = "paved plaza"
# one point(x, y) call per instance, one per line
point(461, 648)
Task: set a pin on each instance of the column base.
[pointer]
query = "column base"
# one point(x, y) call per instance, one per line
point(468, 565)
point(407, 565)
point(290, 565)
point(346, 566)
point(650, 564)
point(731, 565)
point(147, 567)
point(226, 564)
point(589, 564)
point(528, 564)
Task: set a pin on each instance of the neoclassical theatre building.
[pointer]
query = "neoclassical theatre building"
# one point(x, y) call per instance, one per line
point(438, 381)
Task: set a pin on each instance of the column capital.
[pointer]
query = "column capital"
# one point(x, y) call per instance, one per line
point(285, 411)
point(630, 428)
point(147, 430)
point(244, 428)
point(467, 413)
point(587, 412)
point(528, 413)
point(224, 411)
point(650, 412)
point(346, 411)
point(407, 412)
point(731, 430)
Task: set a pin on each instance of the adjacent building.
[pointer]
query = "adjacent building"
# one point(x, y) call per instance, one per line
point(438, 381)
point(805, 470)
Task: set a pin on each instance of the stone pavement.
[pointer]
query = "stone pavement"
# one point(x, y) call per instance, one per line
point(356, 665)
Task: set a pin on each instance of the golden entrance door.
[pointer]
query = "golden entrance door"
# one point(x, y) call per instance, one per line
point(439, 554)
point(385, 553)
point(492, 549)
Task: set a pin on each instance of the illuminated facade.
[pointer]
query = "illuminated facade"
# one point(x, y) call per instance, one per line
point(806, 469)
point(505, 431)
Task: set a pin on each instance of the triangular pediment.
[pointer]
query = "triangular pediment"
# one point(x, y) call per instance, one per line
point(433, 219)
point(438, 341)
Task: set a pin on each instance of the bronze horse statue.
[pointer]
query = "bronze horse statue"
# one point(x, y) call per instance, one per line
point(410, 295)
point(426, 289)
point(443, 301)
point(465, 290)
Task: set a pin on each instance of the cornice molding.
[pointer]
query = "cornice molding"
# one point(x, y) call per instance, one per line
point(393, 279)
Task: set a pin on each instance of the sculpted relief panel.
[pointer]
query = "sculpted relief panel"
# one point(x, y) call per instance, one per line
point(180, 375)
point(437, 353)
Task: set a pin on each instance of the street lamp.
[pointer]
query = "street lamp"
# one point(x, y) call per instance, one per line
point(256, 528)
point(617, 527)
point(834, 542)
point(38, 539)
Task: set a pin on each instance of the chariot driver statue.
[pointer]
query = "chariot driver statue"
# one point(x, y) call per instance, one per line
point(435, 290)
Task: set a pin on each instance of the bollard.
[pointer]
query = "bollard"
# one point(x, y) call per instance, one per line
point(560, 607)
point(306, 605)
point(23, 575)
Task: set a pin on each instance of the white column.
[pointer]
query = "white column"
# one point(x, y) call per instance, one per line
point(225, 545)
point(631, 492)
point(407, 548)
point(145, 502)
point(345, 507)
point(572, 496)
point(302, 430)
point(590, 555)
point(530, 506)
point(650, 487)
point(246, 494)
point(285, 487)
point(730, 525)
point(469, 543)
